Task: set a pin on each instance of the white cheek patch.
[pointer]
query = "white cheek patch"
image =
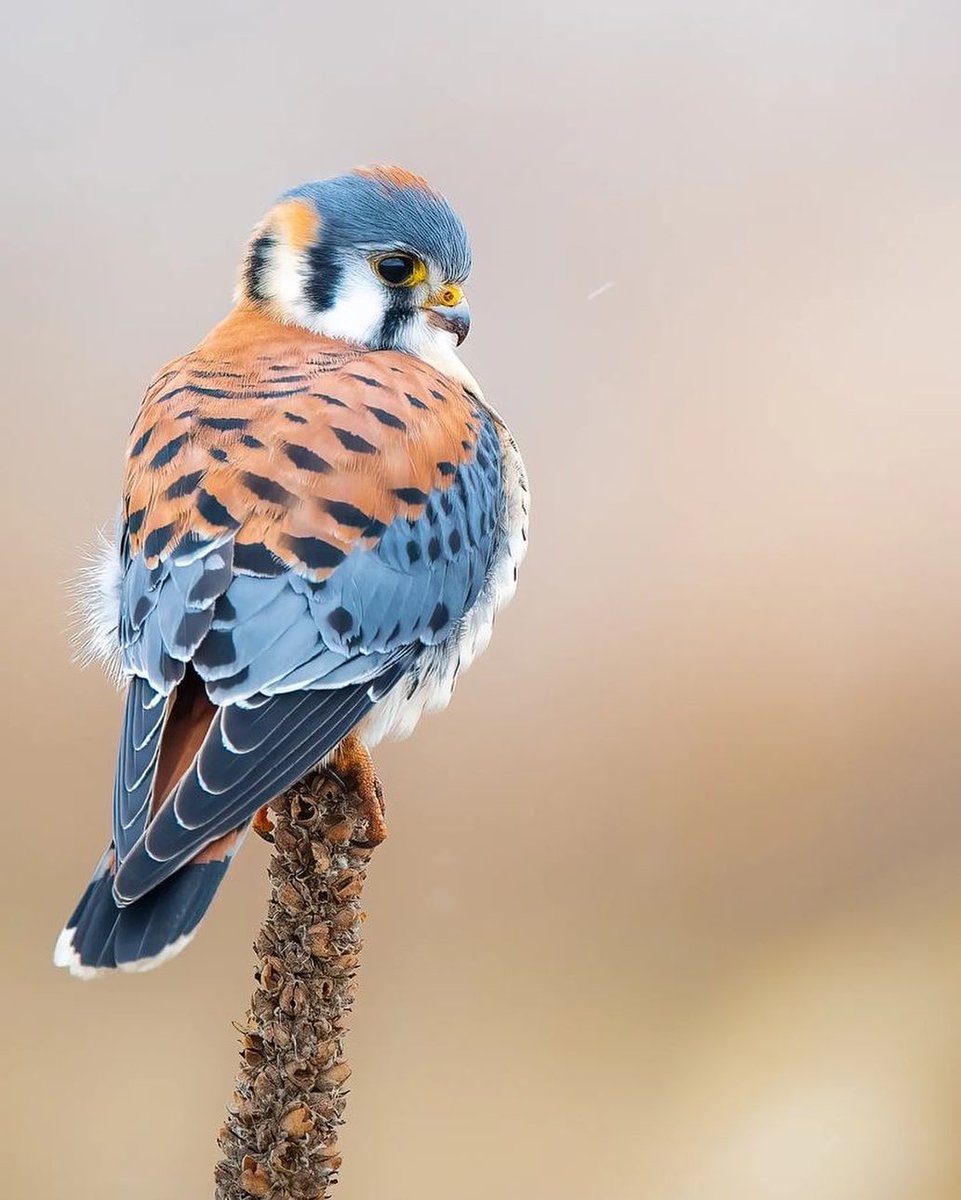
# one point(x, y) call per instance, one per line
point(358, 312)
point(284, 277)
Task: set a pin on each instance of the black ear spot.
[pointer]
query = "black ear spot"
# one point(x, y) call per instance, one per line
point(257, 260)
point(324, 275)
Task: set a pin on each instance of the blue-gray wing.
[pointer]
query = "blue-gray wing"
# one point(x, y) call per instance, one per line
point(290, 663)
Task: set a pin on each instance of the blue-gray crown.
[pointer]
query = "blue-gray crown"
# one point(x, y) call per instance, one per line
point(391, 208)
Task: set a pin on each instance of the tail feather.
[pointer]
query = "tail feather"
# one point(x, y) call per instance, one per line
point(100, 935)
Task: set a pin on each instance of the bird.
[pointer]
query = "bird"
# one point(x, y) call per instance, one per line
point(321, 516)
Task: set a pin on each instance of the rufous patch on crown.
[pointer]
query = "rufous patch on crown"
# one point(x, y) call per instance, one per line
point(296, 223)
point(395, 177)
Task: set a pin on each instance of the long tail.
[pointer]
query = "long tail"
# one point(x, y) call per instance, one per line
point(100, 935)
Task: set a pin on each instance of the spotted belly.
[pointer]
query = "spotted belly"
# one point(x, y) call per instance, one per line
point(429, 685)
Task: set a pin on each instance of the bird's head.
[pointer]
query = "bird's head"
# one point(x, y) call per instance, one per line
point(375, 257)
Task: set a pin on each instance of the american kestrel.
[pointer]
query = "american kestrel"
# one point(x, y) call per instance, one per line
point(321, 516)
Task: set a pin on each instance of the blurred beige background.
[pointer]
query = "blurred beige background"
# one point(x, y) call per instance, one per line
point(672, 903)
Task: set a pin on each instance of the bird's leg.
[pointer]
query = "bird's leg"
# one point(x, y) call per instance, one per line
point(263, 826)
point(352, 764)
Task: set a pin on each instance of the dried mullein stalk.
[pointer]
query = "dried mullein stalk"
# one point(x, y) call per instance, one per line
point(279, 1140)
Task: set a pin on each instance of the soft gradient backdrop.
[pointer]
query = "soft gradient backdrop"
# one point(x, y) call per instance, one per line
point(671, 908)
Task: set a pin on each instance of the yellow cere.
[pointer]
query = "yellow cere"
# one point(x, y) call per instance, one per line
point(449, 295)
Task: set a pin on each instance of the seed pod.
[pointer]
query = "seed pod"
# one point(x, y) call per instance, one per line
point(253, 1177)
point(272, 974)
point(301, 1074)
point(338, 1074)
point(347, 886)
point(290, 898)
point(297, 1121)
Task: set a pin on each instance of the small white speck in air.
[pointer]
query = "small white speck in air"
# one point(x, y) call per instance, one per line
point(605, 287)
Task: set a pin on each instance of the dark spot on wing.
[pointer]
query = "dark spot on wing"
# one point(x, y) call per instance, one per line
point(340, 621)
point(217, 649)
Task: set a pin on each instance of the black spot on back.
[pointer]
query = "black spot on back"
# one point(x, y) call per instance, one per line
point(140, 444)
point(386, 418)
point(411, 495)
point(439, 617)
point(254, 558)
point(314, 552)
point(354, 517)
point(184, 485)
point(212, 510)
point(168, 452)
point(353, 441)
point(414, 401)
point(156, 541)
point(224, 423)
point(305, 458)
point(267, 489)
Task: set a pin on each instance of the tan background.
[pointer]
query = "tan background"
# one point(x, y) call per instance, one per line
point(672, 903)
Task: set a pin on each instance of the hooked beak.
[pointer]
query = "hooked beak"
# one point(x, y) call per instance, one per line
point(448, 309)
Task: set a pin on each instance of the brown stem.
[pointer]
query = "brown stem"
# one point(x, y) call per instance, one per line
point(279, 1140)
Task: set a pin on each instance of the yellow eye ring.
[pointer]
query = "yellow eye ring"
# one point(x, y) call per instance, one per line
point(399, 269)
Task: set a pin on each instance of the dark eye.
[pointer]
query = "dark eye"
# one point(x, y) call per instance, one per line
point(397, 269)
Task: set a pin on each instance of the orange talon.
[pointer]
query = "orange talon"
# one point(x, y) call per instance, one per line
point(263, 825)
point(351, 762)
